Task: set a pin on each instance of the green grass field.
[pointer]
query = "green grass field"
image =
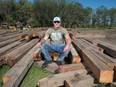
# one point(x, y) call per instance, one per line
point(33, 76)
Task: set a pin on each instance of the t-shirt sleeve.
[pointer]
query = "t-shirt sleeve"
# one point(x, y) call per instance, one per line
point(65, 32)
point(47, 32)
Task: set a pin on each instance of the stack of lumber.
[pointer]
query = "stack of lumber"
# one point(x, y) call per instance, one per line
point(30, 35)
point(108, 47)
point(8, 37)
point(101, 70)
point(73, 72)
point(14, 56)
point(6, 42)
point(88, 34)
point(15, 75)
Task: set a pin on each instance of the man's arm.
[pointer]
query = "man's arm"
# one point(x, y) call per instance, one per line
point(68, 43)
point(68, 40)
point(42, 41)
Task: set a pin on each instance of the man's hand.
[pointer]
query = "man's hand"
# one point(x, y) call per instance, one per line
point(39, 44)
point(66, 49)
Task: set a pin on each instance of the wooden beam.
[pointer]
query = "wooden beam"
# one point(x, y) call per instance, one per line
point(72, 67)
point(75, 56)
point(15, 75)
point(109, 48)
point(89, 45)
point(36, 56)
point(81, 81)
point(9, 37)
point(58, 79)
point(4, 49)
point(103, 73)
point(14, 56)
point(96, 52)
point(4, 43)
point(21, 36)
point(28, 37)
point(101, 57)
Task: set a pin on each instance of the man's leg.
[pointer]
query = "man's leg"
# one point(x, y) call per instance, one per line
point(62, 55)
point(45, 49)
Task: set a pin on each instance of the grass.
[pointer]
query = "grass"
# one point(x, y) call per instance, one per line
point(33, 76)
point(3, 70)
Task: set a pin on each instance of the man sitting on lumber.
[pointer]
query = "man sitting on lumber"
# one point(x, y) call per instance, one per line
point(58, 36)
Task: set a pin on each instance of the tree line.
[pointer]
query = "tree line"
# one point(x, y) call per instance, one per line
point(40, 13)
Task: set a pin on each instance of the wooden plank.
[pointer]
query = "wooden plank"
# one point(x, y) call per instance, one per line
point(72, 67)
point(103, 73)
point(58, 79)
point(89, 45)
point(82, 81)
point(96, 52)
point(8, 47)
point(8, 37)
point(15, 75)
point(28, 37)
point(4, 43)
point(103, 59)
point(8, 34)
point(12, 57)
point(21, 36)
point(36, 56)
point(108, 47)
point(75, 56)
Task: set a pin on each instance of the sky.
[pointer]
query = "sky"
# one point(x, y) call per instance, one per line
point(95, 3)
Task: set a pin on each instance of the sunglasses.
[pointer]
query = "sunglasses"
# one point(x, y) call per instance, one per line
point(56, 21)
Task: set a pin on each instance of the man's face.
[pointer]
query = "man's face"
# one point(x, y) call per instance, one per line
point(56, 24)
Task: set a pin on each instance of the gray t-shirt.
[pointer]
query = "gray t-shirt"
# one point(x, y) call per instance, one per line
point(57, 36)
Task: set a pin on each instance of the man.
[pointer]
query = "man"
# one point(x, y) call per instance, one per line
point(59, 42)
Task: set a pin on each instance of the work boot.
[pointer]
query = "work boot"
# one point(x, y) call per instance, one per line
point(59, 63)
point(45, 64)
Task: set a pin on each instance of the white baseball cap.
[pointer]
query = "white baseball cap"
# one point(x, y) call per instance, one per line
point(56, 19)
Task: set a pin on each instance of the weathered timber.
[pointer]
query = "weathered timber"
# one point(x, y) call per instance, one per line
point(58, 79)
point(96, 52)
point(78, 35)
point(12, 57)
point(15, 75)
point(36, 56)
point(103, 73)
point(28, 37)
point(8, 37)
point(91, 46)
point(101, 57)
point(20, 37)
point(109, 48)
point(8, 34)
point(82, 81)
point(72, 67)
point(7, 47)
point(4, 43)
point(75, 56)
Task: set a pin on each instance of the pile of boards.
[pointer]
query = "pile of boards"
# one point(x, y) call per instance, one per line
point(91, 59)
